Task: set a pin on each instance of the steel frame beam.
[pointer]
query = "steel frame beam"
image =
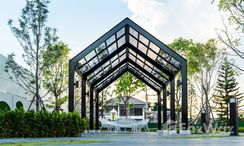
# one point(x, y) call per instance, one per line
point(91, 109)
point(159, 111)
point(164, 105)
point(83, 98)
point(172, 100)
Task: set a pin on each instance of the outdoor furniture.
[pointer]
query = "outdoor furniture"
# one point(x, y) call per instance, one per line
point(143, 124)
point(109, 125)
point(126, 123)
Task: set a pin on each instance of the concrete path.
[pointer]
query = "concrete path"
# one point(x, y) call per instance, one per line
point(143, 139)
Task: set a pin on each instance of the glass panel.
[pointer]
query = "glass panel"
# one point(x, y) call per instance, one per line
point(171, 67)
point(132, 52)
point(175, 62)
point(133, 41)
point(151, 54)
point(93, 62)
point(142, 48)
point(82, 61)
point(121, 41)
point(122, 52)
point(132, 57)
point(115, 63)
point(106, 64)
point(164, 55)
point(154, 47)
point(84, 68)
point(112, 48)
point(98, 70)
point(115, 57)
point(122, 57)
point(120, 32)
point(102, 55)
point(144, 40)
point(149, 64)
point(139, 62)
point(147, 68)
point(100, 48)
point(139, 57)
point(161, 61)
point(133, 32)
point(110, 40)
point(90, 55)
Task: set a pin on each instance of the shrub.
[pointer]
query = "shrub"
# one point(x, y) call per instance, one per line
point(19, 123)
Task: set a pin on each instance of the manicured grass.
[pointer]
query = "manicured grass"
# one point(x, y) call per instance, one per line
point(51, 143)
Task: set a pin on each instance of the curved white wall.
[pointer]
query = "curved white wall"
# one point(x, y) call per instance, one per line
point(10, 92)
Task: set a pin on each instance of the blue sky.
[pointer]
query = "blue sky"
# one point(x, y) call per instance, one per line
point(81, 22)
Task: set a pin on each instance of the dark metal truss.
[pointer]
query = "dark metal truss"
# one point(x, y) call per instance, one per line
point(128, 48)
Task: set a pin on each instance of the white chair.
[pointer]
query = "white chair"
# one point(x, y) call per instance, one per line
point(143, 124)
point(109, 125)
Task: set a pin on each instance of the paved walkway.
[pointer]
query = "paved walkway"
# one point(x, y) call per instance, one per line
point(143, 139)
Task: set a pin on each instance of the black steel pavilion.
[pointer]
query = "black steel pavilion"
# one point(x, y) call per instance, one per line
point(128, 48)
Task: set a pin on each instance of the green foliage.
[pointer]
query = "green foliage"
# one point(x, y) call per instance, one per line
point(55, 71)
point(226, 88)
point(4, 106)
point(125, 86)
point(19, 123)
point(34, 37)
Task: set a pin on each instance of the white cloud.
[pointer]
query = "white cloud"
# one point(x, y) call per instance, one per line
point(168, 20)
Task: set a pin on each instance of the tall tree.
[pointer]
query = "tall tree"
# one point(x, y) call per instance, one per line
point(226, 87)
point(55, 72)
point(202, 61)
point(125, 86)
point(232, 38)
point(34, 37)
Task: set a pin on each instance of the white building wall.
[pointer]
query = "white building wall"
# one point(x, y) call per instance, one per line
point(10, 92)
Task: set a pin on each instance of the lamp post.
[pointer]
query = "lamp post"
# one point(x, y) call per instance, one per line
point(233, 117)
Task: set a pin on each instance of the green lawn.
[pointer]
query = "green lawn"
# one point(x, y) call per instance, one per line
point(51, 143)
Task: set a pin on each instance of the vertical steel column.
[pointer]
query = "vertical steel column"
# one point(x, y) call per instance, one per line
point(71, 86)
point(172, 100)
point(164, 105)
point(97, 111)
point(91, 109)
point(159, 111)
point(184, 114)
point(83, 98)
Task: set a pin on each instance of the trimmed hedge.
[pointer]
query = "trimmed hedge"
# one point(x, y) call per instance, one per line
point(19, 123)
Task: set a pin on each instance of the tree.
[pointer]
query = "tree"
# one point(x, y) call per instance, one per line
point(34, 37)
point(202, 60)
point(226, 88)
point(232, 38)
point(55, 72)
point(125, 86)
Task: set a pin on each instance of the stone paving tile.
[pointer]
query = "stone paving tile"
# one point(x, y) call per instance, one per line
point(144, 139)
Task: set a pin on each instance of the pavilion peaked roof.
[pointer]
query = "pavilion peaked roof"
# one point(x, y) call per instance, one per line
point(127, 47)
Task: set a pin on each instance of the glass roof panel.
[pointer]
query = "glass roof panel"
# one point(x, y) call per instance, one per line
point(93, 62)
point(114, 58)
point(139, 62)
point(175, 62)
point(123, 57)
point(133, 32)
point(142, 48)
point(82, 61)
point(154, 47)
point(133, 41)
point(122, 52)
point(90, 55)
point(143, 40)
point(115, 63)
point(103, 54)
point(162, 61)
point(132, 52)
point(151, 54)
point(139, 57)
point(85, 68)
point(120, 32)
point(164, 55)
point(121, 41)
point(132, 57)
point(110, 40)
point(147, 68)
point(112, 48)
point(101, 48)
